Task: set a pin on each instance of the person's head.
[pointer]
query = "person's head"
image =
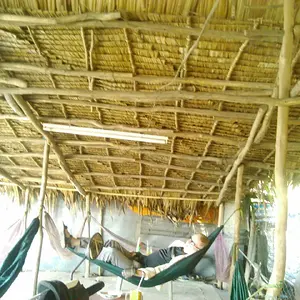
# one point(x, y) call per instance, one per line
point(195, 243)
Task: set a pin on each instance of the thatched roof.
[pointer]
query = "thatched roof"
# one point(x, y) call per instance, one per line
point(119, 70)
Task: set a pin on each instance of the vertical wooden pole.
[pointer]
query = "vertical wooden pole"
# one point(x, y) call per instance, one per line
point(101, 232)
point(26, 207)
point(88, 219)
point(221, 215)
point(285, 74)
point(220, 222)
point(251, 246)
point(237, 219)
point(41, 201)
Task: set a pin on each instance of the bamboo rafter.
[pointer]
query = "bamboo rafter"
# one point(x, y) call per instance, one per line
point(137, 176)
point(183, 74)
point(12, 103)
point(153, 109)
point(18, 20)
point(13, 81)
point(45, 57)
point(215, 124)
point(21, 143)
point(93, 157)
point(89, 65)
point(51, 141)
point(162, 96)
point(267, 120)
point(292, 146)
point(19, 67)
point(148, 189)
point(55, 171)
point(10, 178)
point(99, 124)
point(243, 152)
point(135, 88)
point(115, 194)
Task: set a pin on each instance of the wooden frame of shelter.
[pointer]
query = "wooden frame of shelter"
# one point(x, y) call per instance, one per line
point(226, 122)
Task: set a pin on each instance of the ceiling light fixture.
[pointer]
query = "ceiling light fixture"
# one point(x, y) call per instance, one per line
point(129, 136)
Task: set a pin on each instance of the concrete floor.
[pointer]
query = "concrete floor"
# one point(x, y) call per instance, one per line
point(21, 289)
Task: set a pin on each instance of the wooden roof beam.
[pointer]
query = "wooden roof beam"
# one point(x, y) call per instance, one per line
point(28, 68)
point(292, 146)
point(148, 97)
point(221, 161)
point(243, 152)
point(13, 81)
point(54, 171)
point(38, 126)
point(93, 21)
point(115, 194)
point(123, 176)
point(13, 180)
point(153, 109)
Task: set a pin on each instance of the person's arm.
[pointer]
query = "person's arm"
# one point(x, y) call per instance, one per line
point(177, 243)
point(150, 272)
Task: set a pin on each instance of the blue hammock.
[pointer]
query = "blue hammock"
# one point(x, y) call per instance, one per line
point(15, 259)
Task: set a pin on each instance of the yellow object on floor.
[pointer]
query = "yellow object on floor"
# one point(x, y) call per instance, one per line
point(134, 295)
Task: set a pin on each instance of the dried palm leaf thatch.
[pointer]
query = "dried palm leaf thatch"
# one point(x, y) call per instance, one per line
point(118, 74)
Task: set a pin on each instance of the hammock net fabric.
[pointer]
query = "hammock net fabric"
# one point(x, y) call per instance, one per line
point(9, 237)
point(182, 267)
point(239, 289)
point(130, 246)
point(222, 259)
point(15, 260)
point(54, 237)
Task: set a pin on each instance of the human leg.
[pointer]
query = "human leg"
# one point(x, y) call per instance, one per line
point(72, 242)
point(116, 245)
point(115, 257)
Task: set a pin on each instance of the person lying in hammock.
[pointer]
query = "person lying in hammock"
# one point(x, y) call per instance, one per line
point(135, 263)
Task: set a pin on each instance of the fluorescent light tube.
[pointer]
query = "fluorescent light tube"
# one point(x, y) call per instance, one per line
point(129, 136)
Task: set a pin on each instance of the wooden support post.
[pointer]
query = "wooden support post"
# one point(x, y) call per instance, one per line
point(251, 246)
point(26, 206)
point(41, 202)
point(101, 232)
point(221, 215)
point(88, 222)
point(237, 218)
point(285, 74)
point(220, 223)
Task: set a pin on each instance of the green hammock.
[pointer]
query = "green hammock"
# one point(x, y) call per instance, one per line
point(182, 267)
point(15, 259)
point(239, 289)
